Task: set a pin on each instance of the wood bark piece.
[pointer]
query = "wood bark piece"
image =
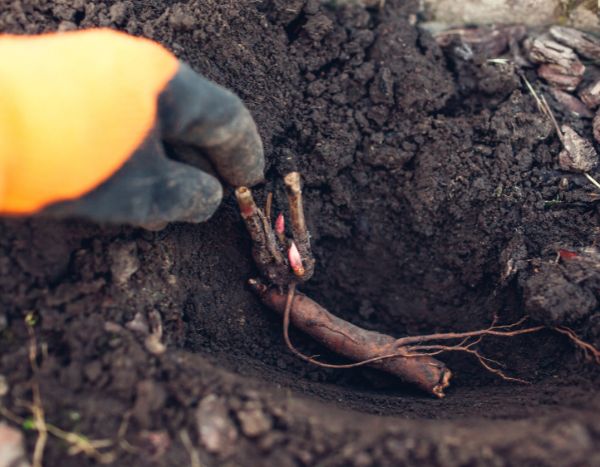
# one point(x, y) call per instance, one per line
point(590, 95)
point(559, 65)
point(596, 127)
point(584, 44)
point(543, 50)
point(578, 154)
point(560, 77)
point(571, 103)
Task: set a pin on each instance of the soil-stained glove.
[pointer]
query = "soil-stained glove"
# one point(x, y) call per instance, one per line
point(83, 119)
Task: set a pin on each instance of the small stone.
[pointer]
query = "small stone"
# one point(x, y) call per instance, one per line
point(563, 185)
point(123, 261)
point(578, 154)
point(12, 450)
point(254, 422)
point(381, 90)
point(216, 430)
point(318, 26)
point(64, 12)
point(118, 12)
point(316, 88)
point(66, 26)
point(181, 17)
point(139, 323)
point(93, 370)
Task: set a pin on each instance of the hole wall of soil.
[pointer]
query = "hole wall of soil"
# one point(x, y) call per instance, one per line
point(424, 181)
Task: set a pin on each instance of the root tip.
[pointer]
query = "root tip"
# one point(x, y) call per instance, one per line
point(438, 390)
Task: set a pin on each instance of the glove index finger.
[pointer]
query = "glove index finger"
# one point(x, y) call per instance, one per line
point(197, 112)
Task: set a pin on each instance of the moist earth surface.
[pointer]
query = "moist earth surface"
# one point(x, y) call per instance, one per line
point(435, 203)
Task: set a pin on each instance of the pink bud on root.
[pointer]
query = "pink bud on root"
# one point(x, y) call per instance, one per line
point(295, 260)
point(280, 224)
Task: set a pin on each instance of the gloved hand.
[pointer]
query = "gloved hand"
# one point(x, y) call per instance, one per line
point(83, 119)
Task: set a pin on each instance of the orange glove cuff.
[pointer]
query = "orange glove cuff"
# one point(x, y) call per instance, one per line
point(73, 108)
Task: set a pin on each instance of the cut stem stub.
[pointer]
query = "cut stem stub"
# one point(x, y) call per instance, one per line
point(279, 259)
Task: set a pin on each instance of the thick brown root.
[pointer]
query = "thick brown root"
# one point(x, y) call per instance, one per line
point(362, 346)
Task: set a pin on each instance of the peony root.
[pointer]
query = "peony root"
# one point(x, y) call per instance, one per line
point(287, 262)
point(368, 347)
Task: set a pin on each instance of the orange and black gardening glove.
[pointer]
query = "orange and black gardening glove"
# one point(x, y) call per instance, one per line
point(83, 121)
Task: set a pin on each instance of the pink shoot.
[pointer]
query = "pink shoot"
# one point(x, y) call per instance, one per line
point(295, 260)
point(280, 224)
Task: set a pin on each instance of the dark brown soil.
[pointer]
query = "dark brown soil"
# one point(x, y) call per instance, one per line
point(426, 182)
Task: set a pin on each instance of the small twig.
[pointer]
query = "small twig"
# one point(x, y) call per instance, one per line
point(263, 239)
point(498, 61)
point(294, 193)
point(533, 93)
point(592, 180)
point(77, 443)
point(268, 205)
point(300, 233)
point(543, 106)
point(550, 114)
point(37, 409)
point(189, 447)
